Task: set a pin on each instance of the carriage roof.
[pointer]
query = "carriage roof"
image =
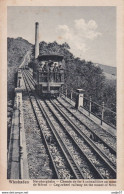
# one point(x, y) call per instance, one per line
point(53, 57)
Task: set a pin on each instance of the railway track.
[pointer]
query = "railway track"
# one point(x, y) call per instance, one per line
point(72, 168)
point(103, 141)
point(91, 152)
point(97, 162)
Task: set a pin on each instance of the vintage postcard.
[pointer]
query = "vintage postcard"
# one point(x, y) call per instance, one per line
point(61, 99)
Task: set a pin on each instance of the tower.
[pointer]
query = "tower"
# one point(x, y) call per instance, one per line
point(36, 39)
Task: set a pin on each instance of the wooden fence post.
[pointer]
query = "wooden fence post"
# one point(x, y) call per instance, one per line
point(90, 105)
point(102, 116)
point(71, 95)
point(62, 90)
point(66, 92)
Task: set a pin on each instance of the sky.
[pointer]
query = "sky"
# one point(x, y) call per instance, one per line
point(89, 31)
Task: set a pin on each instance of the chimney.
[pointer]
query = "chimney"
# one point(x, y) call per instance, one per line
point(36, 39)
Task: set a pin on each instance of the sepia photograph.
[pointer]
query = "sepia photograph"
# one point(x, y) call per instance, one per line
point(61, 92)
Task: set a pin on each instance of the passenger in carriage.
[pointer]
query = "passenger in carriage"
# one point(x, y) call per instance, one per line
point(42, 65)
point(44, 72)
point(55, 71)
point(51, 67)
point(46, 67)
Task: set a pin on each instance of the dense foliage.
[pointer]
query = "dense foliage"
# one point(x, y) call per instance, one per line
point(16, 49)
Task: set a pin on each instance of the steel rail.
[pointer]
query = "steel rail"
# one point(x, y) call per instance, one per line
point(108, 146)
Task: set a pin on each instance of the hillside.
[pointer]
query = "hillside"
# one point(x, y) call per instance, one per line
point(17, 48)
point(107, 69)
point(110, 76)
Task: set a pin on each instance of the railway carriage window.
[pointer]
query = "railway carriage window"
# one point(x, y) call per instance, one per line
point(56, 64)
point(60, 63)
point(42, 78)
point(63, 63)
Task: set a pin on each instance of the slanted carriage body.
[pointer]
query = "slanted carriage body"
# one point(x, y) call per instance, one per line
point(48, 73)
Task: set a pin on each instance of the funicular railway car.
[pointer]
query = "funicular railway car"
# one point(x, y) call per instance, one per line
point(48, 72)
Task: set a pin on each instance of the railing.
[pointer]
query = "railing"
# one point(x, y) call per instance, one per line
point(50, 76)
point(102, 112)
point(20, 142)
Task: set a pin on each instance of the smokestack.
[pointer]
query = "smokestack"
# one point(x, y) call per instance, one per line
point(36, 39)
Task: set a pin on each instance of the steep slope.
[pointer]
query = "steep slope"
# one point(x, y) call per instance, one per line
point(107, 69)
point(17, 48)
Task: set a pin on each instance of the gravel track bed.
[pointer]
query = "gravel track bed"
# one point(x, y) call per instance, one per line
point(38, 160)
point(100, 145)
point(105, 136)
point(89, 152)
